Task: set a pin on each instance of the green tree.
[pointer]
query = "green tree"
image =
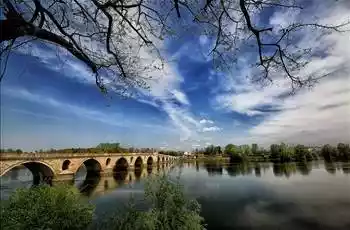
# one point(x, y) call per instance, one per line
point(170, 209)
point(43, 207)
point(19, 151)
point(302, 153)
point(275, 151)
point(209, 150)
point(230, 149)
point(329, 152)
point(344, 151)
point(288, 153)
point(245, 149)
point(217, 150)
point(235, 153)
point(281, 153)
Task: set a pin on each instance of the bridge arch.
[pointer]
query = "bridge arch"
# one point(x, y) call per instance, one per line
point(121, 165)
point(93, 166)
point(138, 162)
point(65, 164)
point(149, 161)
point(41, 171)
point(120, 169)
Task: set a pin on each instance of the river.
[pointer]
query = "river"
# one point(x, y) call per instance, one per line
point(255, 196)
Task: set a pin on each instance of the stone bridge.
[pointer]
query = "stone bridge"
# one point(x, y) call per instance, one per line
point(63, 166)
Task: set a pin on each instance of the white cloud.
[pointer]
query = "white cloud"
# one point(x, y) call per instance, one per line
point(164, 84)
point(284, 18)
point(211, 129)
point(84, 112)
point(319, 116)
point(203, 40)
point(247, 101)
point(206, 121)
point(315, 116)
point(89, 113)
point(196, 145)
point(181, 97)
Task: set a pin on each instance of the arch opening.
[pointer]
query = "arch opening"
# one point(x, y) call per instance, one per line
point(41, 173)
point(120, 170)
point(149, 162)
point(121, 165)
point(163, 159)
point(28, 174)
point(138, 163)
point(93, 167)
point(65, 164)
point(108, 161)
point(88, 176)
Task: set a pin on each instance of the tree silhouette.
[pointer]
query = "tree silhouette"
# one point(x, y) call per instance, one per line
point(121, 39)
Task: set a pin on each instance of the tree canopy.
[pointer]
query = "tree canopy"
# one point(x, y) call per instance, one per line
point(121, 40)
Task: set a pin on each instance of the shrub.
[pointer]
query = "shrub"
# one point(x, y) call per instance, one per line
point(45, 207)
point(169, 209)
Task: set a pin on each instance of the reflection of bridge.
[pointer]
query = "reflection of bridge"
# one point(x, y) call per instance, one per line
point(62, 166)
point(106, 183)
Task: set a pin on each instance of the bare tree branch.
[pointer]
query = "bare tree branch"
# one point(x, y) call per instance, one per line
point(118, 36)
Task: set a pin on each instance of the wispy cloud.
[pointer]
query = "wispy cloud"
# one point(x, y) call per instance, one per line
point(84, 112)
point(206, 121)
point(164, 92)
point(316, 115)
point(211, 129)
point(37, 115)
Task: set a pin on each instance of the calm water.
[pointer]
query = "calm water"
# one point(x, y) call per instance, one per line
point(255, 196)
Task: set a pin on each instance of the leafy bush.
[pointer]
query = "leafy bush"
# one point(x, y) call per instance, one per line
point(170, 209)
point(45, 207)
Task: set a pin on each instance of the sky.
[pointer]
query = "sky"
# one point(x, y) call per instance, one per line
point(49, 99)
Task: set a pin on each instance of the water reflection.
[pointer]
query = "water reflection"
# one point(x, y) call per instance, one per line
point(346, 167)
point(213, 168)
point(304, 168)
point(330, 167)
point(239, 169)
point(286, 169)
point(240, 196)
point(138, 173)
point(271, 196)
point(90, 184)
point(257, 170)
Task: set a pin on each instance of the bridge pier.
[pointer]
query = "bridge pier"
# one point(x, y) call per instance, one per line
point(64, 177)
point(106, 171)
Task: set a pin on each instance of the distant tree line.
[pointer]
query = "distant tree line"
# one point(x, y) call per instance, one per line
point(11, 151)
point(171, 152)
point(104, 148)
point(278, 152)
point(210, 150)
point(339, 153)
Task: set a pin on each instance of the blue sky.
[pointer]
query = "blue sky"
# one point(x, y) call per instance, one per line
point(50, 100)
